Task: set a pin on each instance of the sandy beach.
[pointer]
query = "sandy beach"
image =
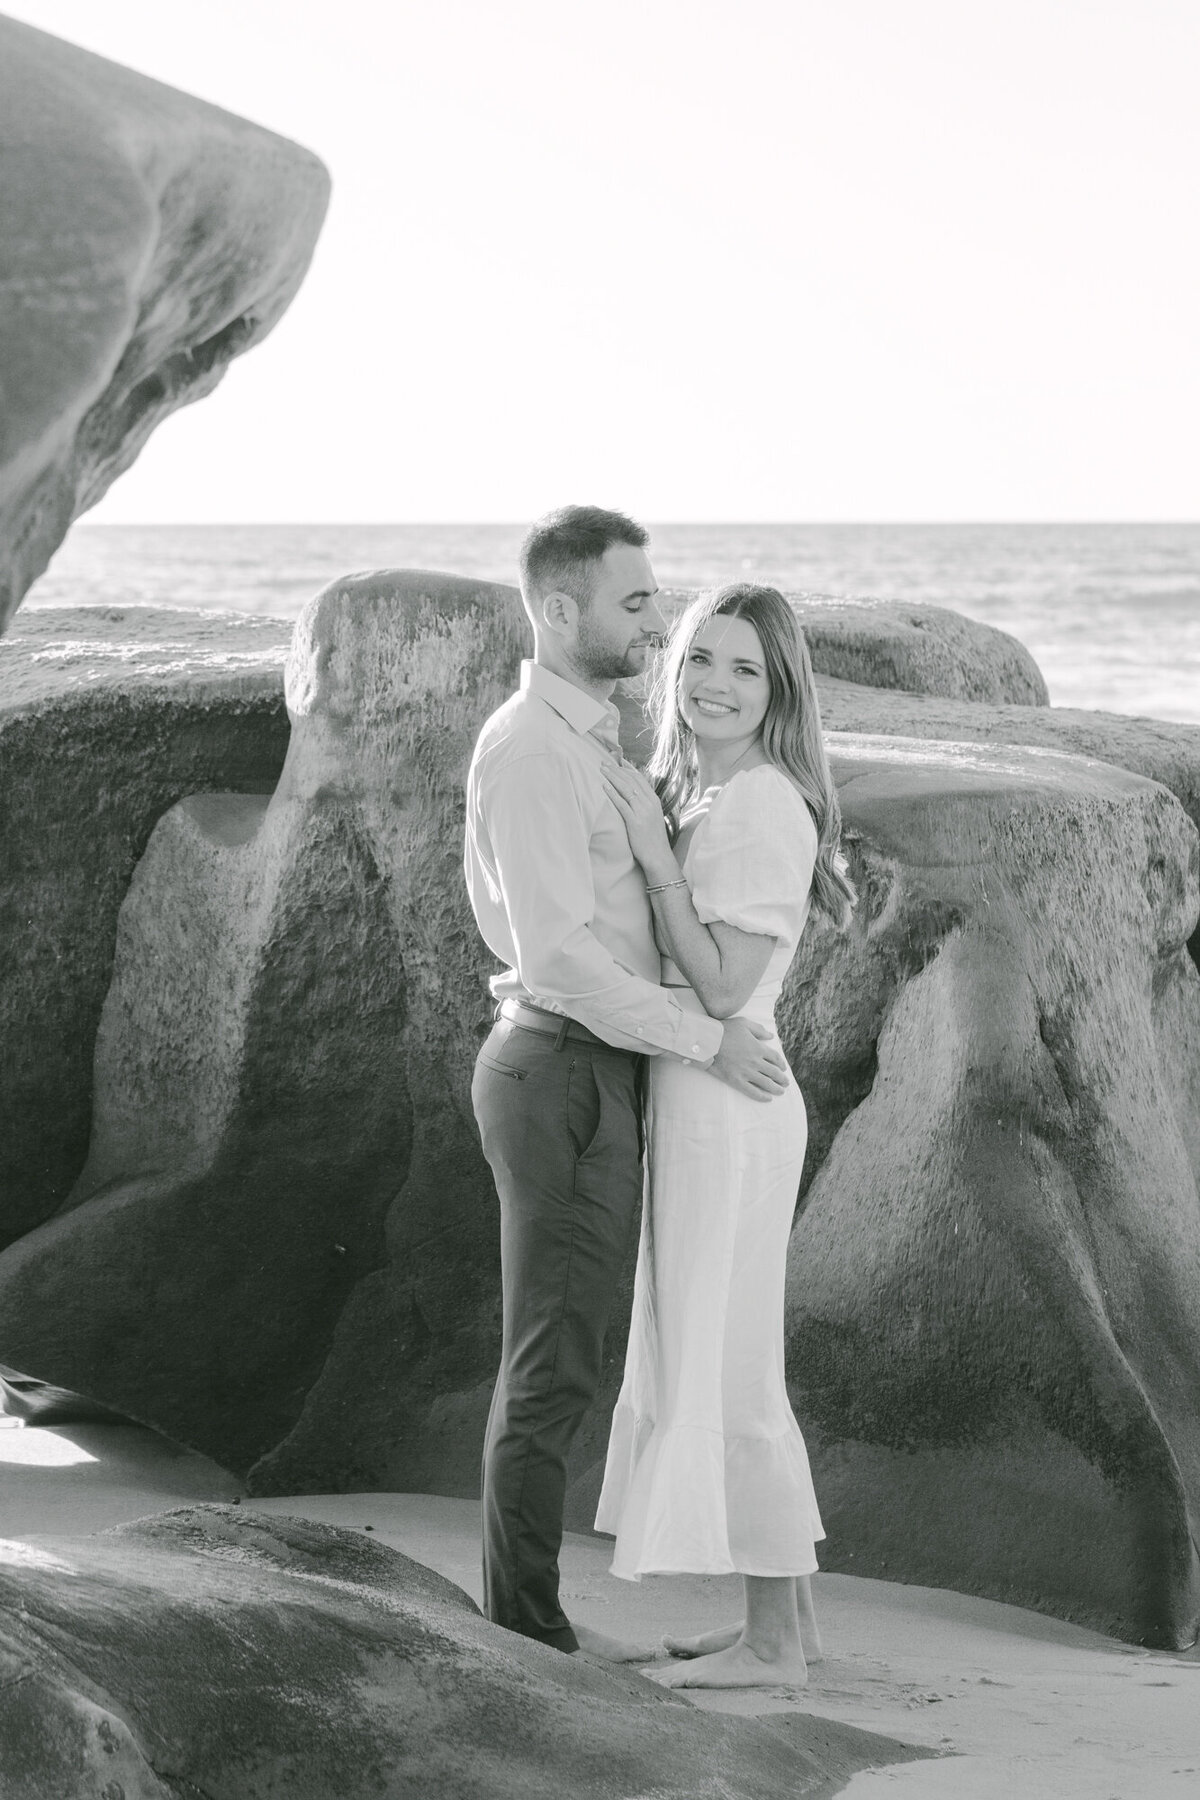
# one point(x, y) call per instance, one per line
point(904, 345)
point(1016, 1704)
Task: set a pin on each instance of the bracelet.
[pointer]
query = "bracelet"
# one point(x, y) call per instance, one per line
point(662, 886)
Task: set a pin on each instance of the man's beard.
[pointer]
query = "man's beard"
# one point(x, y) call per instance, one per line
point(598, 661)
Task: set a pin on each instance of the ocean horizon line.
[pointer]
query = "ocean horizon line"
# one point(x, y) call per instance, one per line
point(87, 524)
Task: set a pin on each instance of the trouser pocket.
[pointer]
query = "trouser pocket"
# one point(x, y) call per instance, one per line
point(584, 1109)
point(499, 1068)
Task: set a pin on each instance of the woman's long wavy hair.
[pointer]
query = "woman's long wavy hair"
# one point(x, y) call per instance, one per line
point(791, 730)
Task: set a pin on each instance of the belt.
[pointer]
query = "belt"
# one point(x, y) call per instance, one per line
point(555, 1025)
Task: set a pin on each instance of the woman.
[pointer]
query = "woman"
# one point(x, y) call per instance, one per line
point(707, 1471)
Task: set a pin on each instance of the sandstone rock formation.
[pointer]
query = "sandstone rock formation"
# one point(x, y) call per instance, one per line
point(922, 649)
point(38, 1403)
point(1160, 750)
point(108, 715)
point(149, 238)
point(282, 1113)
point(106, 719)
point(53, 654)
point(1007, 1043)
point(994, 1283)
point(214, 1651)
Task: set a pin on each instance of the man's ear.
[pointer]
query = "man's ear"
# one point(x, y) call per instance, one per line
point(560, 612)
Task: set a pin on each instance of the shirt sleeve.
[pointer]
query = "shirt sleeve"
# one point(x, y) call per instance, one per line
point(539, 840)
point(753, 858)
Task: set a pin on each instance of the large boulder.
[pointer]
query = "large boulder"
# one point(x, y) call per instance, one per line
point(108, 716)
point(283, 1142)
point(921, 649)
point(994, 1283)
point(1157, 748)
point(283, 1249)
point(149, 238)
point(212, 1650)
point(53, 655)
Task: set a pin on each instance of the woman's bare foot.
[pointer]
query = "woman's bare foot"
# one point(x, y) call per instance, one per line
point(709, 1642)
point(615, 1650)
point(705, 1644)
point(810, 1637)
point(736, 1666)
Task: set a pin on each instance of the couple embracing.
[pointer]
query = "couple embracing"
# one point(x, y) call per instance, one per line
point(646, 926)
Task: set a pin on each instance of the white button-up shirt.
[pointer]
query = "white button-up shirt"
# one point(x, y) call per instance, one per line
point(555, 889)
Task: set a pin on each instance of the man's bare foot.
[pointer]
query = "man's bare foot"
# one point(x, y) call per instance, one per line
point(709, 1642)
point(735, 1666)
point(615, 1650)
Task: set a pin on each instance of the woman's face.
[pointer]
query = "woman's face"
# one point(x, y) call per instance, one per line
point(724, 689)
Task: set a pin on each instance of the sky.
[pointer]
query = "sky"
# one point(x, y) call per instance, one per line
point(814, 260)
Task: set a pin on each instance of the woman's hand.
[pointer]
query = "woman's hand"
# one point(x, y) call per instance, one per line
point(639, 807)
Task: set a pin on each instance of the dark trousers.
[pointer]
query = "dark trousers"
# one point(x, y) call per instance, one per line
point(561, 1128)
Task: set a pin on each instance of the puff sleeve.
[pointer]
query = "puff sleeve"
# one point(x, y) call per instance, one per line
point(752, 861)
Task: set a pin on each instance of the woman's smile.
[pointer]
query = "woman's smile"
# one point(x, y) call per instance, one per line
point(724, 691)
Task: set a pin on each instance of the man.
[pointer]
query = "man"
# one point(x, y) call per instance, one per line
point(560, 900)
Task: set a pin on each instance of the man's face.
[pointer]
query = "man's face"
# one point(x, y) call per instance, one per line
point(621, 624)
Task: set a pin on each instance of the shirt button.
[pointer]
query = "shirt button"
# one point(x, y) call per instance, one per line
point(641, 1031)
point(695, 1049)
point(687, 1062)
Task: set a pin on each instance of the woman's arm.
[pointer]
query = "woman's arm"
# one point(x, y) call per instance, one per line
point(723, 964)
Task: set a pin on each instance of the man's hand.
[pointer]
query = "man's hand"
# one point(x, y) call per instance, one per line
point(748, 1063)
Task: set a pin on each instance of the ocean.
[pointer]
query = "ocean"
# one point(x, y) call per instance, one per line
point(1110, 612)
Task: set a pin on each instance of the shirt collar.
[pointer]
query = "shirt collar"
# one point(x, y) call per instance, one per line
point(580, 711)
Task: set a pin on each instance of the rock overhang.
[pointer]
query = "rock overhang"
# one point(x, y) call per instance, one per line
point(149, 239)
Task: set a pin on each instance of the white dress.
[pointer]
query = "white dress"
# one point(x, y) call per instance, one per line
point(707, 1471)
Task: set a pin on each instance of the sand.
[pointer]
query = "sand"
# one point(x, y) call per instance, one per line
point(1022, 1707)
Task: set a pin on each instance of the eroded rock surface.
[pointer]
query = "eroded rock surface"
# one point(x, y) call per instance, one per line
point(282, 1113)
point(922, 649)
point(993, 1327)
point(149, 238)
point(994, 1284)
point(1157, 748)
point(108, 715)
point(215, 1651)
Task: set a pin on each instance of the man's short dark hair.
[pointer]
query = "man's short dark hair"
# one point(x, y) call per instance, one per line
point(561, 550)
